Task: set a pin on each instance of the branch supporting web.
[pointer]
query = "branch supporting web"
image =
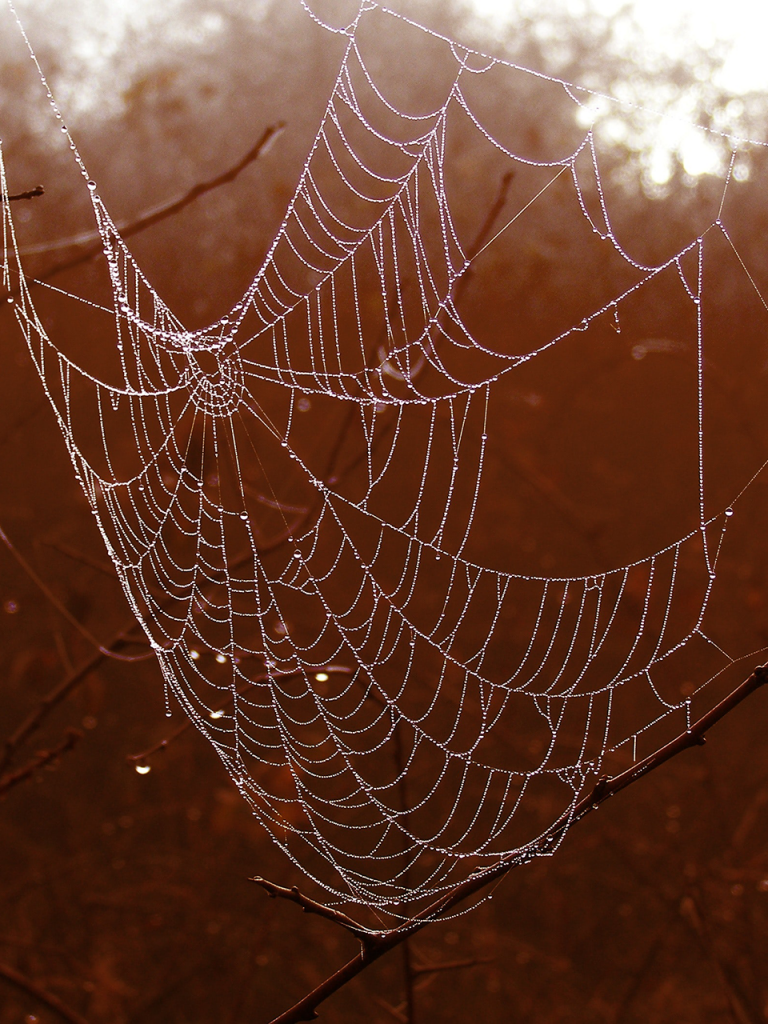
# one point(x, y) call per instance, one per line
point(294, 499)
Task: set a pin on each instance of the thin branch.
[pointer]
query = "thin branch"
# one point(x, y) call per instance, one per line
point(409, 976)
point(56, 696)
point(638, 979)
point(73, 679)
point(32, 193)
point(395, 1011)
point(452, 965)
point(40, 760)
point(148, 220)
point(380, 943)
point(47, 592)
point(105, 567)
point(309, 906)
point(160, 213)
point(30, 988)
point(484, 233)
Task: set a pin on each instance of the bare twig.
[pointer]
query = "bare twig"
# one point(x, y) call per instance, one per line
point(60, 692)
point(46, 591)
point(404, 1012)
point(148, 220)
point(394, 1011)
point(309, 906)
point(160, 213)
point(30, 988)
point(40, 760)
point(380, 943)
point(55, 697)
point(409, 976)
point(484, 232)
point(32, 193)
point(107, 568)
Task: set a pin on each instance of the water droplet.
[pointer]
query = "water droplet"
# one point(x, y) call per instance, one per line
point(64, 128)
point(321, 677)
point(143, 769)
point(221, 659)
point(729, 512)
point(297, 554)
point(244, 516)
point(92, 185)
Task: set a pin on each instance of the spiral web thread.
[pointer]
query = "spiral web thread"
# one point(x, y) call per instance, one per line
point(314, 608)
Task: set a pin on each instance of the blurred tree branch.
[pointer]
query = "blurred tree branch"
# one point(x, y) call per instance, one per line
point(737, 1003)
point(148, 220)
point(30, 988)
point(54, 697)
point(40, 760)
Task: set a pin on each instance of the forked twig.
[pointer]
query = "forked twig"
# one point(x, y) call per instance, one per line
point(380, 943)
point(394, 1011)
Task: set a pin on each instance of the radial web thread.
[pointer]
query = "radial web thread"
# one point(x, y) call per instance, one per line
point(318, 610)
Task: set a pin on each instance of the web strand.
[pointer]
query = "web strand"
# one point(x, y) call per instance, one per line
point(321, 613)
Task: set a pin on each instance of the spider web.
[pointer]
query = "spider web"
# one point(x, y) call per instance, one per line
point(292, 499)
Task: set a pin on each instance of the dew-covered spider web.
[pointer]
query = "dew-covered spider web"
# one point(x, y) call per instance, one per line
point(304, 500)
